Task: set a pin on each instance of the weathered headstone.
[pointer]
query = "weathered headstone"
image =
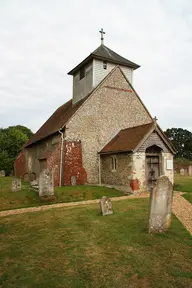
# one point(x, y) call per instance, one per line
point(106, 206)
point(161, 205)
point(182, 172)
point(73, 180)
point(16, 185)
point(2, 173)
point(186, 172)
point(190, 170)
point(46, 186)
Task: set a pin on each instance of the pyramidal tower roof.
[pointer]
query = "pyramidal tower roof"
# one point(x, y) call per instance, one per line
point(105, 54)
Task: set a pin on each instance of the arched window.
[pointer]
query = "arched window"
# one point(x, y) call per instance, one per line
point(113, 163)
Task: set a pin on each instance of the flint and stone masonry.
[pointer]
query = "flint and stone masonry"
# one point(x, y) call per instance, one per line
point(92, 122)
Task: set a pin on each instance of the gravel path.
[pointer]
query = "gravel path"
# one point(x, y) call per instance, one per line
point(181, 207)
point(70, 204)
point(183, 210)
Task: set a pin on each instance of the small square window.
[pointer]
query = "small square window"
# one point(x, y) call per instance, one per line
point(104, 64)
point(82, 73)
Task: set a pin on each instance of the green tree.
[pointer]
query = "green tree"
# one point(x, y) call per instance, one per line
point(12, 140)
point(23, 129)
point(182, 140)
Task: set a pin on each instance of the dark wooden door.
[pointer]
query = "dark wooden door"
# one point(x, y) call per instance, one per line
point(152, 170)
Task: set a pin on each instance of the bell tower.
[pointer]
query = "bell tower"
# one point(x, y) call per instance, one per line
point(93, 69)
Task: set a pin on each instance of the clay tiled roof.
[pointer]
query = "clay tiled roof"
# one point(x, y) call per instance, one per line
point(128, 139)
point(105, 54)
point(57, 120)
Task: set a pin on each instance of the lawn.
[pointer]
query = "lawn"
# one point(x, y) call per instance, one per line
point(77, 247)
point(28, 198)
point(184, 184)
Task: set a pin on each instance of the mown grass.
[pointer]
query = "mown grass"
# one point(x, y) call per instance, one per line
point(77, 247)
point(184, 184)
point(28, 198)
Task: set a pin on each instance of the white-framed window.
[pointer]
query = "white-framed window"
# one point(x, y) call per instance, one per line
point(113, 163)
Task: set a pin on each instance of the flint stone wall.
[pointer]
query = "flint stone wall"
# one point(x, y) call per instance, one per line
point(120, 176)
point(102, 116)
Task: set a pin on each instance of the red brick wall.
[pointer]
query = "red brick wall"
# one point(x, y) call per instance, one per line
point(73, 165)
point(53, 163)
point(20, 165)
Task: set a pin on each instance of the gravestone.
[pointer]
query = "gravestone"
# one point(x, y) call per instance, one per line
point(2, 173)
point(16, 185)
point(182, 172)
point(46, 186)
point(73, 180)
point(161, 205)
point(186, 172)
point(190, 170)
point(106, 206)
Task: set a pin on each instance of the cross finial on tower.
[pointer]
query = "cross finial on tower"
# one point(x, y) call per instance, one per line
point(102, 35)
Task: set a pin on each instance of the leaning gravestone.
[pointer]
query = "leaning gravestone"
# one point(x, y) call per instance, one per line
point(2, 173)
point(106, 206)
point(161, 205)
point(46, 186)
point(16, 185)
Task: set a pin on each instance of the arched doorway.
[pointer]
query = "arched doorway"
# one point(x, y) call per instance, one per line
point(153, 164)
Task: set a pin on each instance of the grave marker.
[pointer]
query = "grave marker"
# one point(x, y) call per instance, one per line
point(182, 172)
point(161, 205)
point(2, 173)
point(106, 206)
point(46, 186)
point(16, 185)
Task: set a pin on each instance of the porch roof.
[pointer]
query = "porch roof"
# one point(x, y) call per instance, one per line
point(128, 140)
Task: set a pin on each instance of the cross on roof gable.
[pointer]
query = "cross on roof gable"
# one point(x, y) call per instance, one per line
point(106, 54)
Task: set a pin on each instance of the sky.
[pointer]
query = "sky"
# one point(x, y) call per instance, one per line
point(42, 40)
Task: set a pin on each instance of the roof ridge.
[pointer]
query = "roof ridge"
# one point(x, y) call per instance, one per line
point(137, 126)
point(104, 53)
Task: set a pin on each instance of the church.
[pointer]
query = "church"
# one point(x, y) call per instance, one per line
point(104, 135)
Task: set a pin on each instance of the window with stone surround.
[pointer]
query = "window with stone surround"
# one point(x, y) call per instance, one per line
point(113, 163)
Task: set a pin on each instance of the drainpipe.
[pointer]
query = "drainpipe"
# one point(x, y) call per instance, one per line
point(99, 169)
point(61, 157)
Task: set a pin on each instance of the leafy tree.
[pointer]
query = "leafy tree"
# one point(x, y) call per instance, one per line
point(23, 129)
point(12, 140)
point(182, 140)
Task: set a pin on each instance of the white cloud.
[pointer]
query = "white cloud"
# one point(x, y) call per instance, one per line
point(42, 40)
